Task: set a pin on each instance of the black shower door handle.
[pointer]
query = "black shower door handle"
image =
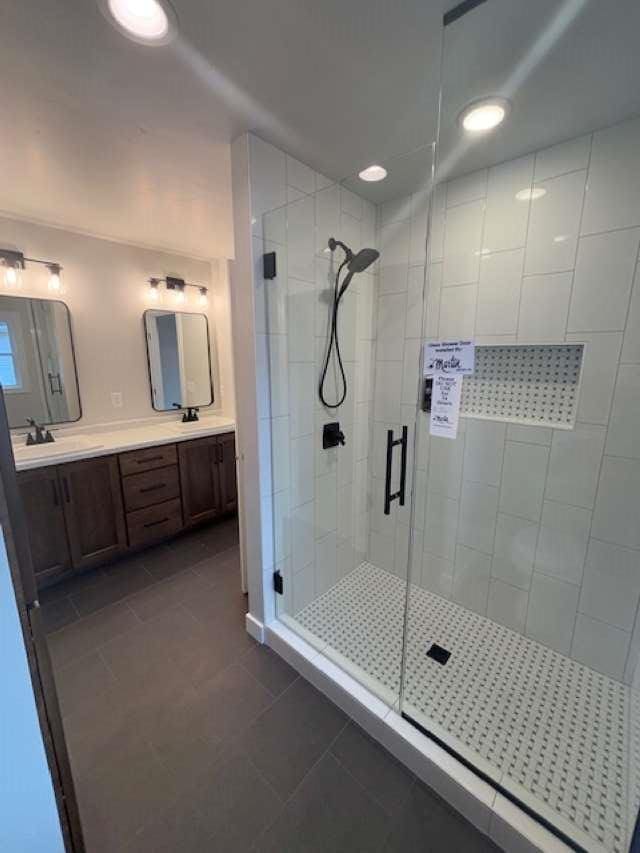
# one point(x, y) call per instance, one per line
point(399, 495)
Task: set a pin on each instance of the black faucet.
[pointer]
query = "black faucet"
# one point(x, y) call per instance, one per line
point(190, 416)
point(42, 435)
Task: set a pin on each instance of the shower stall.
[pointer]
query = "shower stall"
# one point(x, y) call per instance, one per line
point(485, 586)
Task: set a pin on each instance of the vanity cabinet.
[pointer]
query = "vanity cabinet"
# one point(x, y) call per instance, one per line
point(81, 514)
point(208, 477)
point(74, 515)
point(42, 502)
point(93, 510)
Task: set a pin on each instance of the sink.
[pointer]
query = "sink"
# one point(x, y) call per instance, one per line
point(203, 426)
point(62, 446)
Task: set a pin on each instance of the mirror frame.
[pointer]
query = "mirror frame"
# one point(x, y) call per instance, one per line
point(146, 342)
point(24, 429)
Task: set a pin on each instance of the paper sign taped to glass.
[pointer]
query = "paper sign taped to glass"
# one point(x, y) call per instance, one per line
point(449, 357)
point(446, 363)
point(445, 404)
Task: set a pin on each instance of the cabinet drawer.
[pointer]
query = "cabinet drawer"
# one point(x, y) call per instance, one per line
point(145, 460)
point(150, 487)
point(154, 522)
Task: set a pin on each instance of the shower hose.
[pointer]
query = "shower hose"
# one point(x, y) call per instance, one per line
point(334, 342)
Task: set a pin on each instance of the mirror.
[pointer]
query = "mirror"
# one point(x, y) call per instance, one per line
point(37, 361)
point(179, 360)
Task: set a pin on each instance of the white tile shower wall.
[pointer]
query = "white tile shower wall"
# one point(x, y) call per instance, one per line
point(536, 528)
point(314, 501)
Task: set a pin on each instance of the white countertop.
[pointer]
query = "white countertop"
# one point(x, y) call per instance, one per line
point(70, 444)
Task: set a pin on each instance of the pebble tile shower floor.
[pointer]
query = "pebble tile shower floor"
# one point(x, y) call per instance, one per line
point(543, 725)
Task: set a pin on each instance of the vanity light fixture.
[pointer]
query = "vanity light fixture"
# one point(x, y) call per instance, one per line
point(483, 115)
point(178, 286)
point(13, 262)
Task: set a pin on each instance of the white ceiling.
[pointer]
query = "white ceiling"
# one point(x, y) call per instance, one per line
point(131, 142)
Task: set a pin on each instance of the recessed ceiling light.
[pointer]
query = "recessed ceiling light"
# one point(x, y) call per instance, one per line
point(484, 115)
point(531, 193)
point(144, 21)
point(373, 173)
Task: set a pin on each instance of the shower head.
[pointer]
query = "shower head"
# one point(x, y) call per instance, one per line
point(363, 260)
point(358, 262)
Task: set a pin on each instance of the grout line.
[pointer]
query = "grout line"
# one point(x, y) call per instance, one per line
point(306, 774)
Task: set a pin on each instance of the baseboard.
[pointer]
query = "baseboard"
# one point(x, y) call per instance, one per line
point(254, 627)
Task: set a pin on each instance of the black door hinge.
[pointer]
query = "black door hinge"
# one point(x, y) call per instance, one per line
point(278, 582)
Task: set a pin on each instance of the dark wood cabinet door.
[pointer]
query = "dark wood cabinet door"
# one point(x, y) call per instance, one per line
point(42, 502)
point(93, 510)
point(227, 472)
point(199, 479)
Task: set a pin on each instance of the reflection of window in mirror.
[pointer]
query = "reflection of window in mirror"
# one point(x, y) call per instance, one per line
point(179, 359)
point(37, 362)
point(12, 373)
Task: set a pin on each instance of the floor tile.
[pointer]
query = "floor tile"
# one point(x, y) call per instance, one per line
point(290, 736)
point(118, 581)
point(330, 811)
point(121, 797)
point(79, 682)
point(166, 593)
point(387, 781)
point(57, 614)
point(88, 634)
point(231, 701)
point(73, 584)
point(142, 656)
point(179, 830)
point(235, 802)
point(163, 562)
point(269, 668)
point(426, 824)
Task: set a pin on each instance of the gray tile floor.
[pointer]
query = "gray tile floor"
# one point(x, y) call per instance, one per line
point(187, 736)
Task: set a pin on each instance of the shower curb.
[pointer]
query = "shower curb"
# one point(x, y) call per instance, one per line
point(476, 800)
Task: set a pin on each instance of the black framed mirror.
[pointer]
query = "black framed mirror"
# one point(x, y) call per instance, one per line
point(179, 357)
point(37, 361)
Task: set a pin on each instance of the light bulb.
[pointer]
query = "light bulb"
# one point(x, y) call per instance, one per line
point(153, 293)
point(203, 299)
point(11, 276)
point(55, 282)
point(180, 296)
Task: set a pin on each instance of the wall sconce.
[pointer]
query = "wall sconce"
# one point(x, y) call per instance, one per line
point(177, 286)
point(14, 262)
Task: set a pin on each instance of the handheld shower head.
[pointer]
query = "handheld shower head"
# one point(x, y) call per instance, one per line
point(363, 260)
point(354, 264)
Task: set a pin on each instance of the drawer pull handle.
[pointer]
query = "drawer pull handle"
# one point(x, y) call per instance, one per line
point(149, 459)
point(154, 523)
point(153, 488)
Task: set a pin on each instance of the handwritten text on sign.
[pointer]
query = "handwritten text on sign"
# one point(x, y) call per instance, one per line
point(449, 357)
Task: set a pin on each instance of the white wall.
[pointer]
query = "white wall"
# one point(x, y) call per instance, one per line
point(534, 527)
point(106, 294)
point(30, 821)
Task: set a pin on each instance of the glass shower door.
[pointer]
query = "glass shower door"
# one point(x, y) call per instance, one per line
point(340, 559)
point(521, 636)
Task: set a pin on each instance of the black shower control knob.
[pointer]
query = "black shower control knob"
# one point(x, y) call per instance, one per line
point(332, 435)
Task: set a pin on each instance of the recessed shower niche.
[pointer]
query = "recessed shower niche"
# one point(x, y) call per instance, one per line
point(535, 384)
